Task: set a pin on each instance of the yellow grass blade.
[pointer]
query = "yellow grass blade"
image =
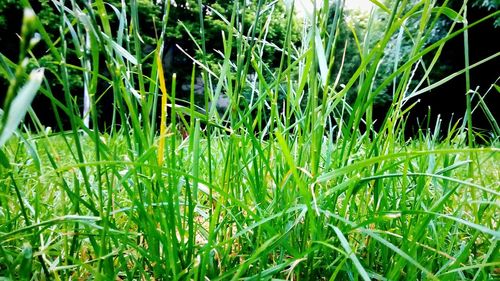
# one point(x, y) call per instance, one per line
point(163, 117)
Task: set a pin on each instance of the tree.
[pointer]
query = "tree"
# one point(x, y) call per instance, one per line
point(183, 29)
point(444, 100)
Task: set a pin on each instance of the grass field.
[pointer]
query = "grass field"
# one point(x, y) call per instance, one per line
point(267, 192)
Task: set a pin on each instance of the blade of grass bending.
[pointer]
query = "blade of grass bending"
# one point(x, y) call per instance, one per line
point(408, 155)
point(431, 175)
point(427, 50)
point(58, 220)
point(483, 229)
point(491, 118)
point(451, 76)
point(474, 266)
point(350, 253)
point(399, 252)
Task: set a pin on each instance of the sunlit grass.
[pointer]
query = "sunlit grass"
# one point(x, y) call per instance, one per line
point(296, 191)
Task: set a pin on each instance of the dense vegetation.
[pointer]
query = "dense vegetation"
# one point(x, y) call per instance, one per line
point(297, 177)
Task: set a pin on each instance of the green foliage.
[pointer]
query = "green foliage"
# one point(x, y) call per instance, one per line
point(488, 4)
point(6, 6)
point(311, 196)
point(182, 28)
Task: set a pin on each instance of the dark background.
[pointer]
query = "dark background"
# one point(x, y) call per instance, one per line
point(448, 101)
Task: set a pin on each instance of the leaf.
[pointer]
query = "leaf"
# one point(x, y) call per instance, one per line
point(450, 13)
point(320, 51)
point(20, 105)
point(121, 51)
point(497, 88)
point(381, 6)
point(32, 152)
point(350, 253)
point(400, 252)
point(481, 228)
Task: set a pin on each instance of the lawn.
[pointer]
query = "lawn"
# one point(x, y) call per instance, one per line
point(301, 182)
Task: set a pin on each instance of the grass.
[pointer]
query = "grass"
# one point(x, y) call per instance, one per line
point(302, 195)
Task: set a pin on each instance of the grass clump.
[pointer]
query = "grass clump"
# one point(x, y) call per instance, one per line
point(303, 188)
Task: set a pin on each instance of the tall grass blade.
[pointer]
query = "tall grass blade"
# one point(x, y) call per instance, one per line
point(20, 105)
